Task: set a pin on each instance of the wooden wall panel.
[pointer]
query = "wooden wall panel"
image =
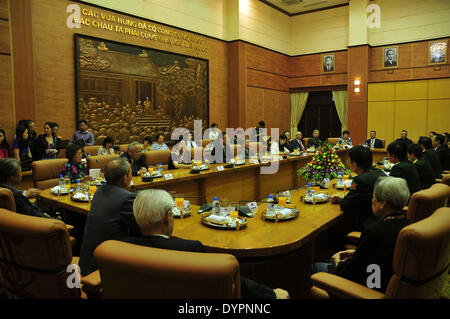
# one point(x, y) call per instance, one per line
point(306, 71)
point(438, 116)
point(4, 14)
point(7, 120)
point(254, 106)
point(284, 109)
point(413, 64)
point(4, 37)
point(267, 80)
point(411, 90)
point(271, 114)
point(410, 116)
point(381, 91)
point(439, 89)
point(265, 60)
point(236, 84)
point(380, 117)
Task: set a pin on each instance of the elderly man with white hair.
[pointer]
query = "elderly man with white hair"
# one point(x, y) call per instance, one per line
point(136, 158)
point(153, 213)
point(377, 242)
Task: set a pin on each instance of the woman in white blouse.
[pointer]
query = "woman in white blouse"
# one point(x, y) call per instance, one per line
point(278, 147)
point(107, 148)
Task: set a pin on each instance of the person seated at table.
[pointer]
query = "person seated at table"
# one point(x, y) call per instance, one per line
point(442, 151)
point(55, 130)
point(430, 155)
point(111, 214)
point(432, 133)
point(279, 147)
point(4, 145)
point(106, 148)
point(146, 145)
point(426, 173)
point(289, 141)
point(32, 136)
point(345, 140)
point(220, 146)
point(83, 136)
point(373, 142)
point(180, 156)
point(377, 243)
point(315, 140)
point(397, 154)
point(259, 137)
point(159, 145)
point(404, 138)
point(22, 149)
point(358, 199)
point(189, 142)
point(46, 144)
point(75, 166)
point(152, 210)
point(297, 142)
point(11, 176)
point(214, 131)
point(136, 158)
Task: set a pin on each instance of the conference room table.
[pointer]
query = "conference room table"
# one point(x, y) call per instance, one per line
point(278, 254)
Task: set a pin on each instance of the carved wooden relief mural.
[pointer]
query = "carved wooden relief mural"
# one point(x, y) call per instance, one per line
point(129, 92)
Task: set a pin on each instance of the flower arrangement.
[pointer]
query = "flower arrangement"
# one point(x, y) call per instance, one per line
point(324, 164)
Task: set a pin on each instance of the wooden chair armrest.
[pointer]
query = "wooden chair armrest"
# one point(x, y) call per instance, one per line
point(69, 227)
point(405, 209)
point(344, 288)
point(92, 285)
point(354, 237)
point(445, 172)
point(438, 180)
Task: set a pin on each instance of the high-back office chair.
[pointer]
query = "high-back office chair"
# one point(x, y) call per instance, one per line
point(421, 205)
point(7, 199)
point(34, 255)
point(153, 158)
point(445, 179)
point(333, 140)
point(132, 271)
point(46, 172)
point(99, 161)
point(420, 264)
point(254, 148)
point(91, 149)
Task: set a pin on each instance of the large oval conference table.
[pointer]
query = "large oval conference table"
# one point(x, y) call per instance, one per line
point(278, 254)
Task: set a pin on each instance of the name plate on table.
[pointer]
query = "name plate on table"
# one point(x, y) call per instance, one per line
point(219, 168)
point(253, 206)
point(94, 172)
point(254, 161)
point(168, 176)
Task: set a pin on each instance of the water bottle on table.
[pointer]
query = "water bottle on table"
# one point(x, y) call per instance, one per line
point(386, 163)
point(310, 191)
point(62, 185)
point(216, 206)
point(160, 168)
point(270, 205)
point(78, 186)
point(340, 181)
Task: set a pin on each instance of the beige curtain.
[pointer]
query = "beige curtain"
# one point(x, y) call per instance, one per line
point(298, 103)
point(340, 100)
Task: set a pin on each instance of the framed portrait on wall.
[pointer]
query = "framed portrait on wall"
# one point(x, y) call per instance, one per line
point(328, 65)
point(437, 52)
point(390, 57)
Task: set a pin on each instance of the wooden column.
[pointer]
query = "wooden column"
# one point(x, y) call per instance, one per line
point(22, 52)
point(358, 69)
point(236, 84)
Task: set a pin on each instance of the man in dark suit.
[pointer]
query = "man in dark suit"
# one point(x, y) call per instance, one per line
point(136, 158)
point(220, 150)
point(442, 151)
point(404, 138)
point(389, 59)
point(426, 173)
point(153, 213)
point(297, 143)
point(328, 66)
point(111, 213)
point(10, 176)
point(397, 154)
point(377, 243)
point(430, 155)
point(315, 140)
point(359, 199)
point(373, 142)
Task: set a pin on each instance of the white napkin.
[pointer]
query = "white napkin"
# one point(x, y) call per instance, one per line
point(218, 219)
point(80, 196)
point(320, 196)
point(347, 183)
point(94, 172)
point(284, 212)
point(55, 189)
